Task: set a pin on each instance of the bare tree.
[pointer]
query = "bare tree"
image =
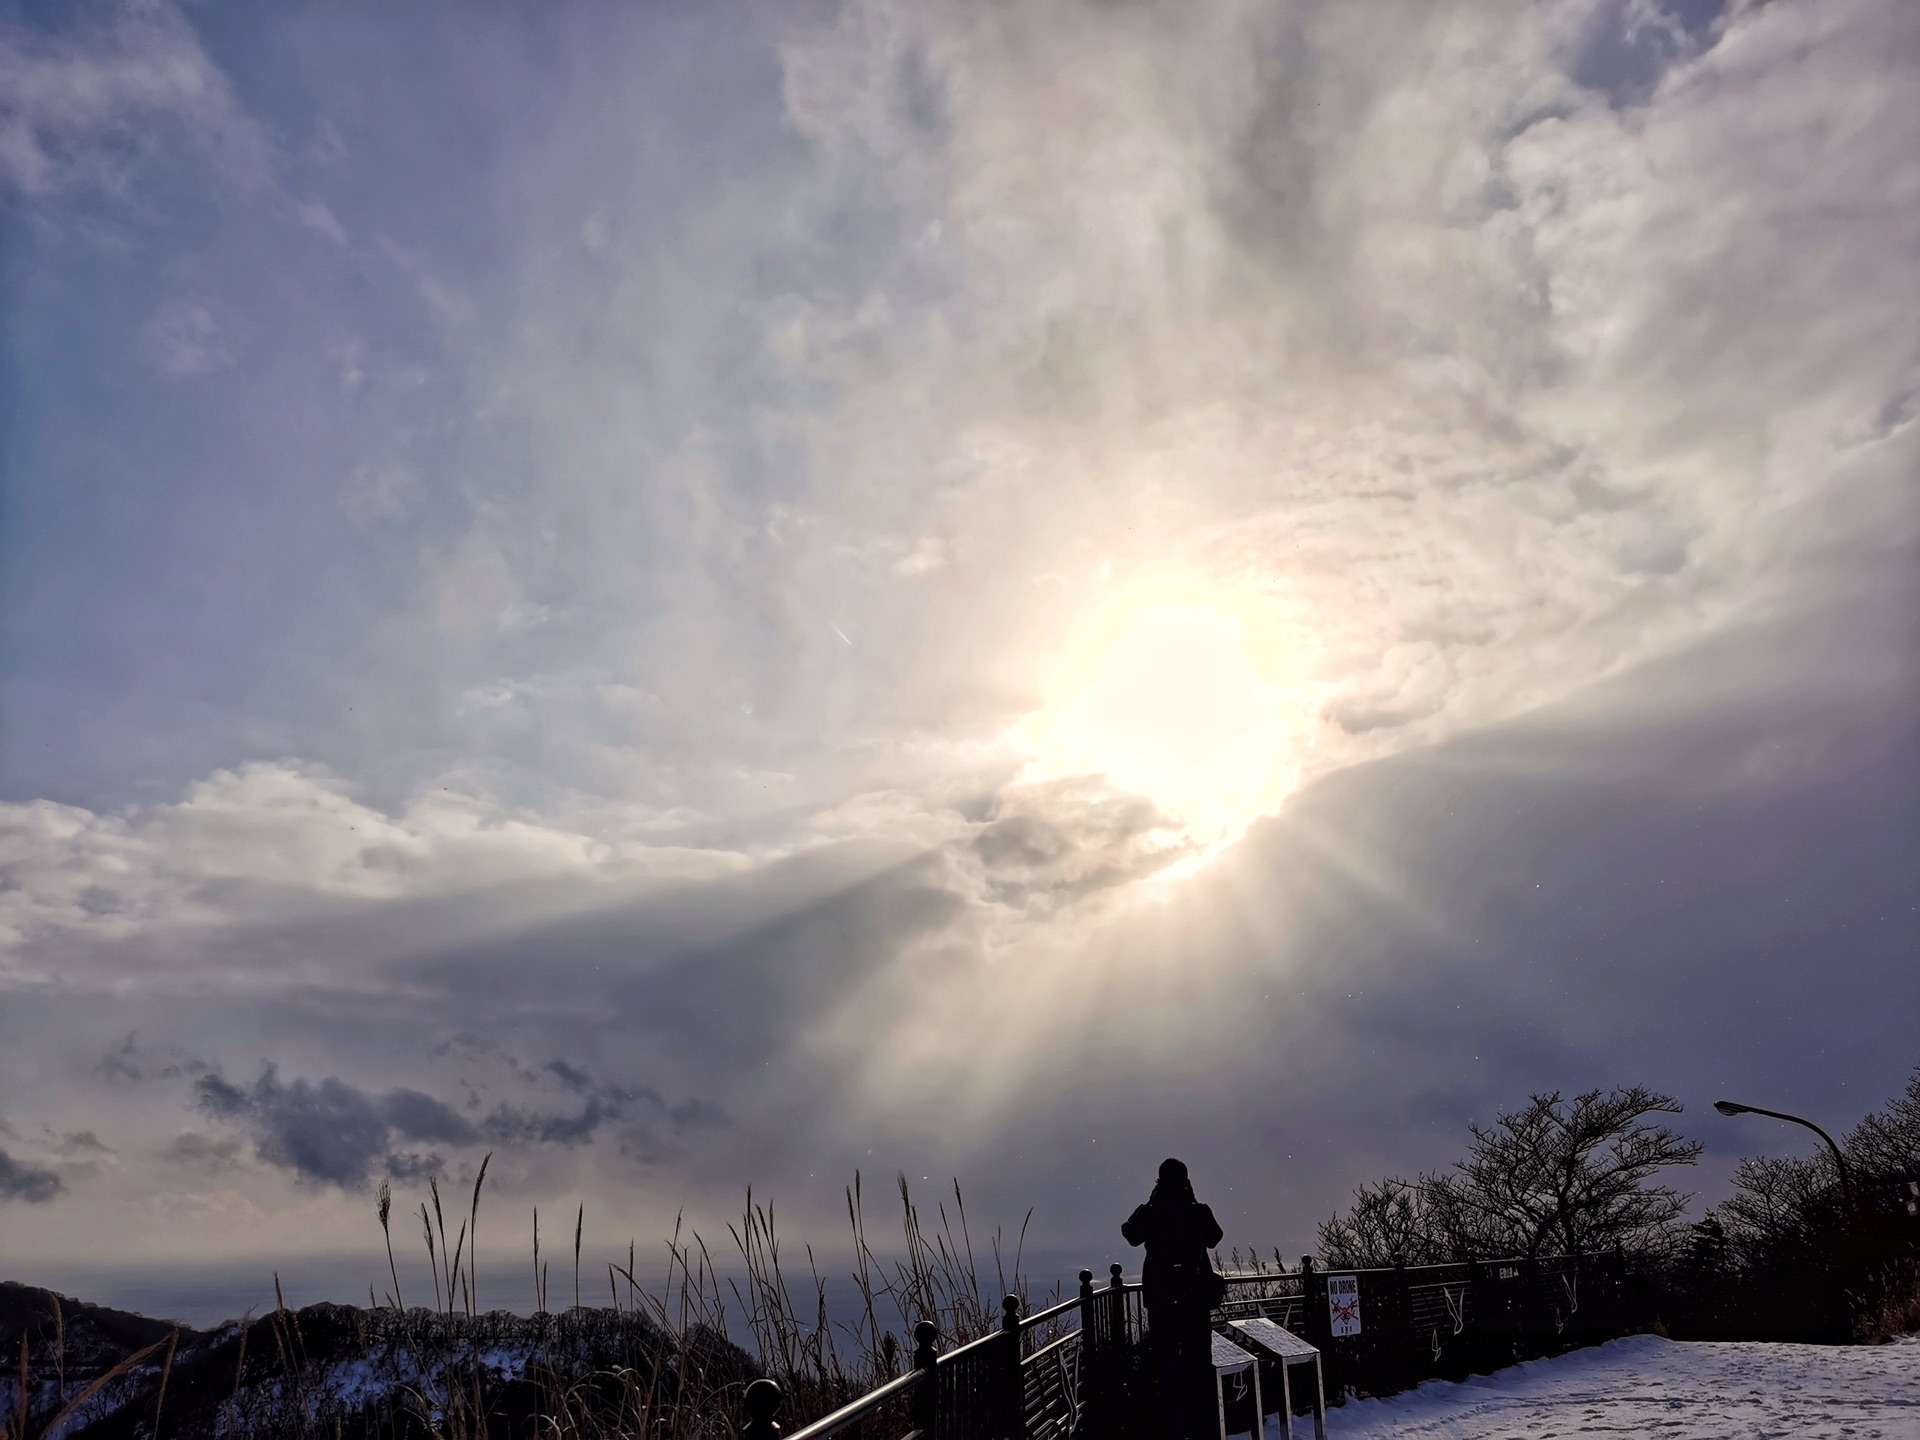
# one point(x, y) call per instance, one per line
point(1567, 1175)
point(1387, 1220)
point(1777, 1200)
point(1887, 1143)
point(1428, 1221)
point(1784, 1202)
point(1837, 1251)
point(1573, 1175)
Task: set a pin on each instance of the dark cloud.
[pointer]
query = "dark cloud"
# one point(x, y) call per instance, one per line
point(645, 1125)
point(417, 1116)
point(330, 1131)
point(411, 1166)
point(509, 1125)
point(20, 1181)
point(336, 1133)
point(132, 1059)
point(220, 1097)
point(121, 1062)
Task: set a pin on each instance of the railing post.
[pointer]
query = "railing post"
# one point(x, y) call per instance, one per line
point(1013, 1394)
point(1473, 1300)
point(762, 1399)
point(1407, 1365)
point(1315, 1328)
point(1627, 1316)
point(1534, 1298)
point(1089, 1402)
point(1317, 1325)
point(926, 1395)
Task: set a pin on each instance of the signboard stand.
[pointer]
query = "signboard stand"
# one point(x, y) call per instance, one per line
point(1287, 1350)
point(1230, 1360)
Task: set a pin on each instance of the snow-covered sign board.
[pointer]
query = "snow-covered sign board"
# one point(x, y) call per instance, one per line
point(1343, 1304)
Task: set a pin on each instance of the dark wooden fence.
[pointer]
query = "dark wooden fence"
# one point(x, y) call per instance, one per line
point(1078, 1370)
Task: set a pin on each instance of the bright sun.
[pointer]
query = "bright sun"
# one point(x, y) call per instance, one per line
point(1180, 693)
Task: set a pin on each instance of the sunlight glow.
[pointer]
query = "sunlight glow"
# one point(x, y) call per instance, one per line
point(1182, 693)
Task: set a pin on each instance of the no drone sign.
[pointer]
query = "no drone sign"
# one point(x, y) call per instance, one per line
point(1343, 1304)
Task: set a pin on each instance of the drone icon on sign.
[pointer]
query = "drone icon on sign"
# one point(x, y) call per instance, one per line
point(1343, 1304)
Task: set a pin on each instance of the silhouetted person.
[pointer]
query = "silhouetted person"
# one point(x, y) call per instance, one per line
point(1180, 1287)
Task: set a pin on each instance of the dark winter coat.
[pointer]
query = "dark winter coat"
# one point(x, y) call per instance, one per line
point(1178, 1231)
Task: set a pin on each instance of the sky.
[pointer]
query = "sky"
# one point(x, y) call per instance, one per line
point(698, 597)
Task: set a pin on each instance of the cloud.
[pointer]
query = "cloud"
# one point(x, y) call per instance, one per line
point(379, 494)
point(710, 516)
point(415, 1116)
point(511, 1125)
point(1043, 847)
point(1624, 48)
point(1468, 368)
point(82, 102)
point(336, 1133)
point(19, 1181)
point(329, 1132)
point(203, 1153)
point(411, 1166)
point(188, 338)
point(283, 837)
point(132, 1059)
point(1439, 343)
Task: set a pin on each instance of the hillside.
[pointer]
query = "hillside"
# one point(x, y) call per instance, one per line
point(336, 1369)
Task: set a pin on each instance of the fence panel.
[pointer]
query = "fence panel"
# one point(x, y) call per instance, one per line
point(1440, 1307)
point(1050, 1389)
point(968, 1393)
point(1426, 1321)
point(1116, 1381)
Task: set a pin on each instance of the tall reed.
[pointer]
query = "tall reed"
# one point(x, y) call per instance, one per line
point(667, 1360)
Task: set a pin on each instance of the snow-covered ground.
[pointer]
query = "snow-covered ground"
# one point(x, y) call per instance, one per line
point(1644, 1385)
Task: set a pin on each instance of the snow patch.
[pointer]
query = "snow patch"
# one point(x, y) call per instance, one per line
point(1644, 1385)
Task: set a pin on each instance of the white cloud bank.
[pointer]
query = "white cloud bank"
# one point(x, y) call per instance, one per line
point(273, 841)
point(1492, 382)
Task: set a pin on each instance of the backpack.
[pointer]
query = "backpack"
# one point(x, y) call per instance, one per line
point(1213, 1286)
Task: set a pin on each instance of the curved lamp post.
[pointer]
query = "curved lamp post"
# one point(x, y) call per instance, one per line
point(1729, 1107)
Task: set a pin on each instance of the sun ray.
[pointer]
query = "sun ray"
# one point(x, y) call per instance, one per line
point(1184, 693)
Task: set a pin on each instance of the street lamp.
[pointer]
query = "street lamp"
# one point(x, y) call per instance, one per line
point(1729, 1107)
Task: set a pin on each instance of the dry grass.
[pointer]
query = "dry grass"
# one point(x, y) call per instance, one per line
point(670, 1362)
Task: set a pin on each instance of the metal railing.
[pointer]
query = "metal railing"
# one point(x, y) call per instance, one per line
point(856, 1411)
point(1062, 1372)
point(1078, 1371)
